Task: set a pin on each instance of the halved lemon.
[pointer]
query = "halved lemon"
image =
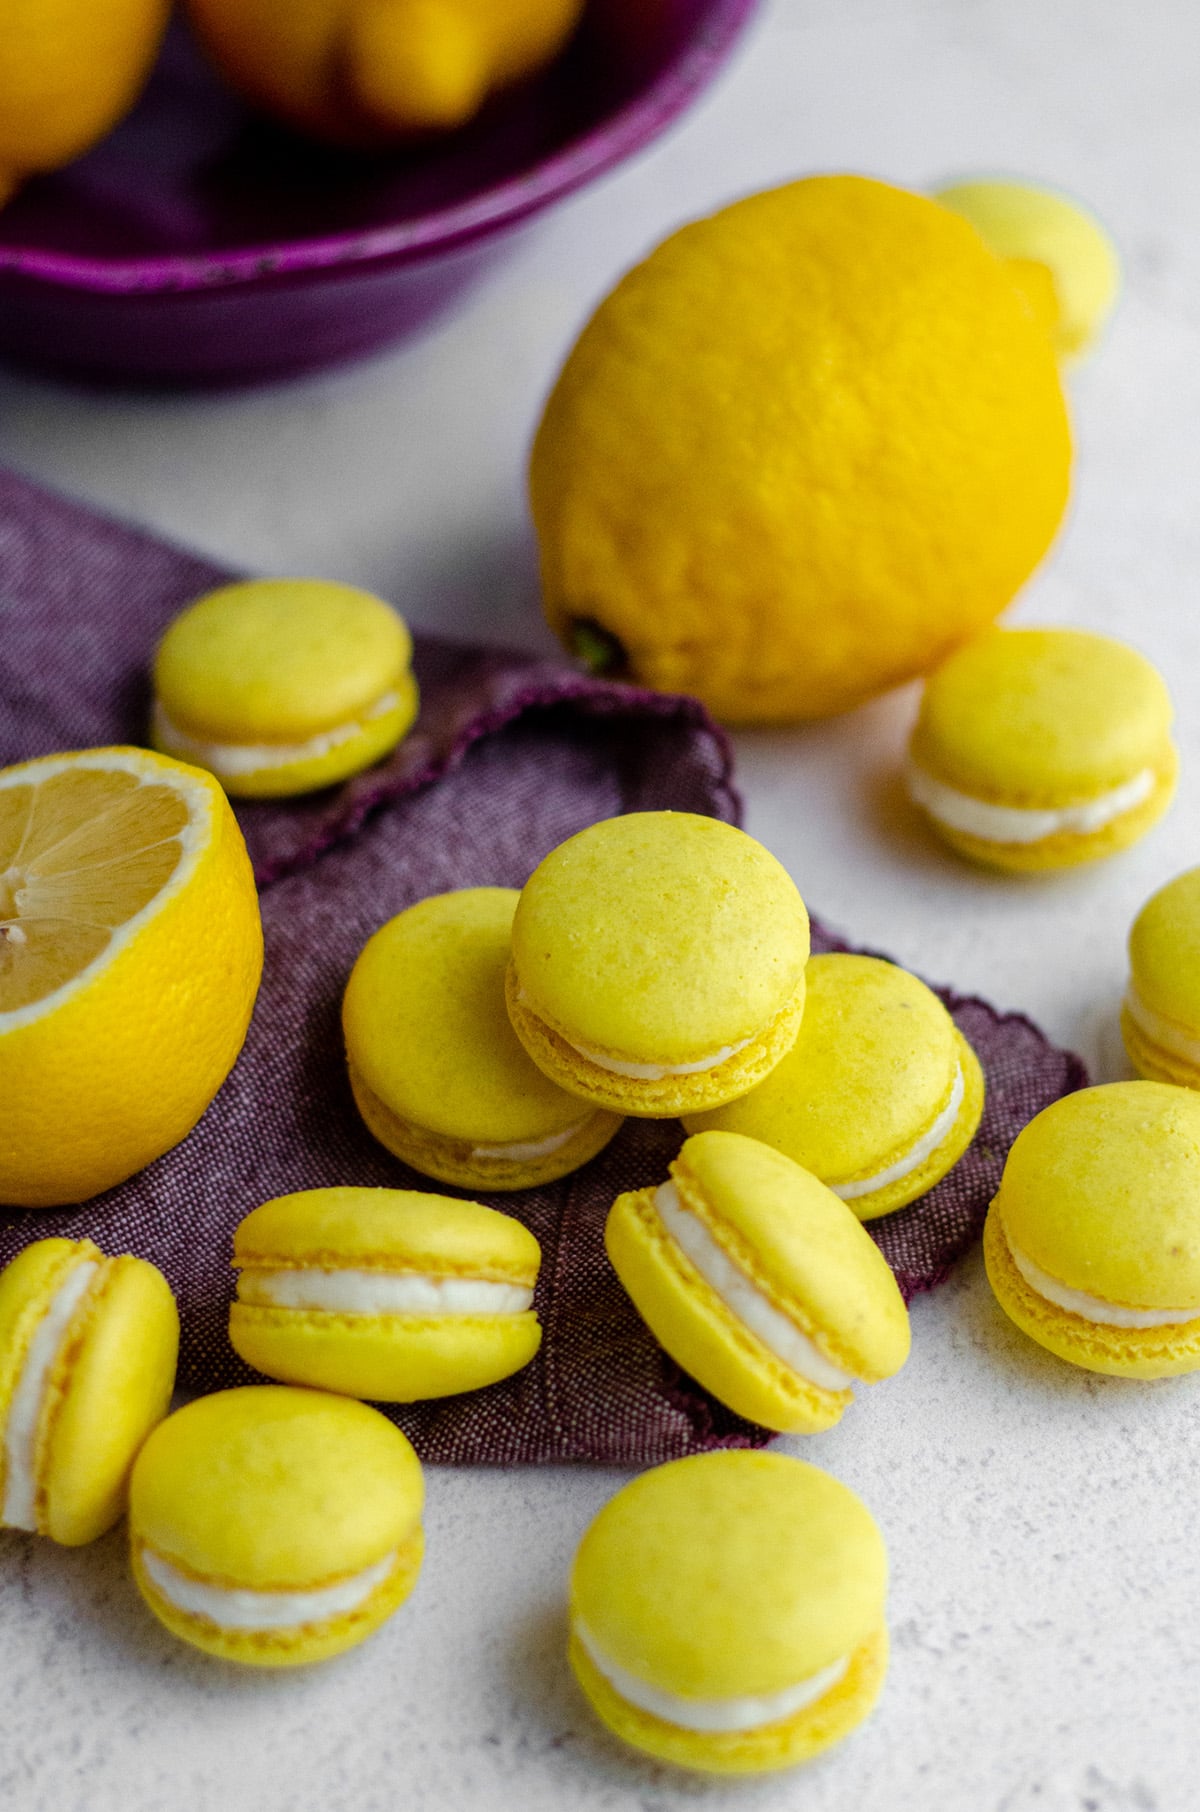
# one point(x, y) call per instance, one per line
point(130, 957)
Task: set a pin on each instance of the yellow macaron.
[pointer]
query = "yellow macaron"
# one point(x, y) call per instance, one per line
point(728, 1612)
point(1047, 236)
point(384, 1293)
point(879, 1096)
point(1160, 1018)
point(275, 1526)
point(759, 1282)
point(1041, 748)
point(658, 963)
point(1092, 1243)
point(281, 686)
point(438, 1073)
point(87, 1365)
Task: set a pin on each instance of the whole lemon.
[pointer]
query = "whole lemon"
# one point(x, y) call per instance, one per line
point(364, 72)
point(130, 955)
point(69, 70)
point(804, 450)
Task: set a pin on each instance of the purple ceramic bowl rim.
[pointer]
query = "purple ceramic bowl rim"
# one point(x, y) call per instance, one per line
point(634, 126)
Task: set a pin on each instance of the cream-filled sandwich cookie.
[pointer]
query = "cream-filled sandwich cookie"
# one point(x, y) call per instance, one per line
point(437, 1071)
point(1092, 1243)
point(727, 1612)
point(281, 686)
point(879, 1096)
point(759, 1282)
point(384, 1293)
point(87, 1364)
point(1160, 1018)
point(275, 1526)
point(1041, 748)
point(658, 964)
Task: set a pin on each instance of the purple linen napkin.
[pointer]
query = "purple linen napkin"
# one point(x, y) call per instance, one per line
point(509, 757)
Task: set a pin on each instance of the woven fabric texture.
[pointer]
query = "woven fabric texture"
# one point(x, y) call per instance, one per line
point(510, 756)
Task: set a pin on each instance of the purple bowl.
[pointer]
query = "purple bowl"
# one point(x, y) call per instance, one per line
point(201, 245)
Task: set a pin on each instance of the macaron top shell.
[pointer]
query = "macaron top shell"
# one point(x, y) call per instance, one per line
point(730, 1575)
point(427, 1028)
point(395, 1230)
point(273, 1488)
point(1041, 717)
point(279, 660)
point(804, 1247)
point(660, 936)
point(872, 1067)
point(1164, 949)
point(1102, 1192)
point(1026, 221)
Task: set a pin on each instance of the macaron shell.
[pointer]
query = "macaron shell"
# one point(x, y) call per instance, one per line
point(110, 1389)
point(869, 1074)
point(1162, 1352)
point(1071, 849)
point(295, 1647)
point(772, 1746)
point(658, 938)
point(272, 1488)
point(278, 660)
point(730, 1574)
point(387, 1229)
point(1153, 1061)
point(375, 737)
point(802, 1247)
point(428, 1035)
point(1041, 718)
point(1164, 951)
point(385, 1358)
point(1023, 221)
point(1102, 1191)
point(448, 1161)
point(692, 1324)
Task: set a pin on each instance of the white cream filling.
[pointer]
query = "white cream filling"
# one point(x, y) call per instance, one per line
point(232, 1609)
point(713, 1715)
point(1017, 824)
point(741, 1298)
point(381, 1292)
point(1160, 1030)
point(228, 760)
point(526, 1151)
point(657, 1072)
point(646, 1072)
point(28, 1398)
point(914, 1158)
point(1094, 1308)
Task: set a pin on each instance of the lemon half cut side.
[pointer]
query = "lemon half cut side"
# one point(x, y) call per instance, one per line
point(130, 956)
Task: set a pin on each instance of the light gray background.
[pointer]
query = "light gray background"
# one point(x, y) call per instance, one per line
point(1046, 1598)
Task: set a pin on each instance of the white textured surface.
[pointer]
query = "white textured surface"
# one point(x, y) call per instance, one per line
point(1041, 1522)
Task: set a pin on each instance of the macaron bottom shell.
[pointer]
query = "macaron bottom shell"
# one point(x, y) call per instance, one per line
point(384, 1358)
point(1156, 1352)
point(664, 1098)
point(374, 737)
point(757, 1751)
point(298, 1645)
point(701, 1334)
point(1068, 849)
point(451, 1161)
point(1154, 1061)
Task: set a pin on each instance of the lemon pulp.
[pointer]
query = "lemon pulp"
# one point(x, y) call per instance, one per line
point(81, 854)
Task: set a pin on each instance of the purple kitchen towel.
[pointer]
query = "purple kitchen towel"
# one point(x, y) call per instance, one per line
point(510, 756)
